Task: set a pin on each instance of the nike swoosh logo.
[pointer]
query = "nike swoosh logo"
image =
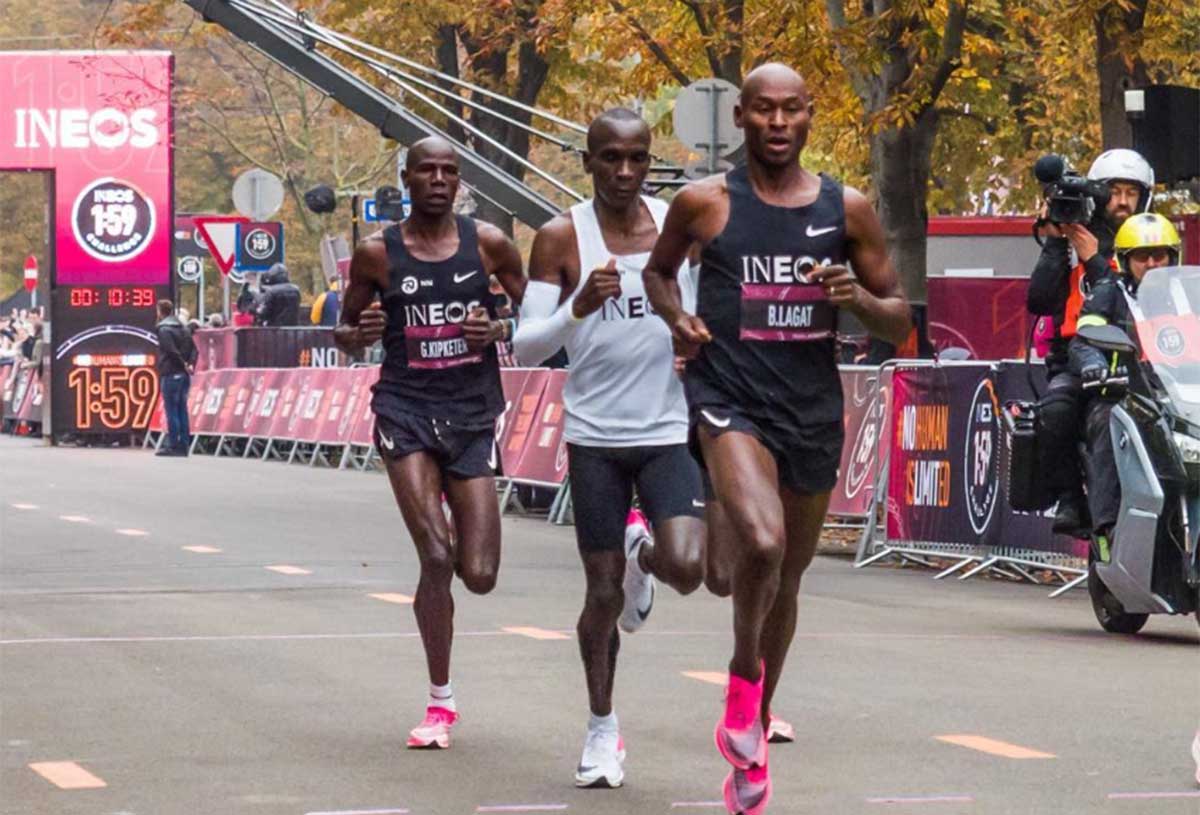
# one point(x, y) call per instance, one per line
point(388, 443)
point(812, 233)
point(458, 278)
point(697, 504)
point(714, 421)
point(642, 615)
point(583, 769)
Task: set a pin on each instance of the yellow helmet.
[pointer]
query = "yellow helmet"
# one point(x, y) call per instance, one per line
point(1145, 231)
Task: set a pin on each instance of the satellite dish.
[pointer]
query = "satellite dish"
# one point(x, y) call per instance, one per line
point(257, 194)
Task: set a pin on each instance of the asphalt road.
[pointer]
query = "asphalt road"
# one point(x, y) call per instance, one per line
point(146, 645)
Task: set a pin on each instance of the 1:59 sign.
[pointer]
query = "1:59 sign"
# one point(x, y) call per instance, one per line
point(113, 220)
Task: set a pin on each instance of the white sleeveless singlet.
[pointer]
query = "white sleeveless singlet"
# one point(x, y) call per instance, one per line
point(622, 390)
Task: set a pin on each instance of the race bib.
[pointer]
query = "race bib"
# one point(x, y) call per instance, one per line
point(438, 346)
point(795, 313)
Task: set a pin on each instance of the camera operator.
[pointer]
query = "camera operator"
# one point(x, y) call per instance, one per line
point(1058, 289)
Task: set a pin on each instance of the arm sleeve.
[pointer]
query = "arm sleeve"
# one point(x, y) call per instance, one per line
point(544, 326)
point(1047, 293)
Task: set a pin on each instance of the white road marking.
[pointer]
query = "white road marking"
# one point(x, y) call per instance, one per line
point(285, 569)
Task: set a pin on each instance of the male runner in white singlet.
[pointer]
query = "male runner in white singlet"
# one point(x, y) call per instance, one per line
point(626, 416)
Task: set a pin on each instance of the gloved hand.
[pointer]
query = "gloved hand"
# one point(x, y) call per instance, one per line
point(1112, 384)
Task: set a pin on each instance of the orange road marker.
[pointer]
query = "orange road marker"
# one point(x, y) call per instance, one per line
point(24, 506)
point(402, 599)
point(133, 533)
point(202, 550)
point(75, 519)
point(711, 677)
point(994, 747)
point(285, 569)
point(67, 775)
point(535, 633)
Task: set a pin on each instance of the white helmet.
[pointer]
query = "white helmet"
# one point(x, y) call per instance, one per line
point(1124, 165)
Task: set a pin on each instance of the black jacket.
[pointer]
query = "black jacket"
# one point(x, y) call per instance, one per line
point(176, 349)
point(1106, 304)
point(1050, 289)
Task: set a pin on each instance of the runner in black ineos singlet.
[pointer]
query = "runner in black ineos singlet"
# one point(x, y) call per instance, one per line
point(434, 392)
point(770, 369)
point(438, 394)
point(763, 387)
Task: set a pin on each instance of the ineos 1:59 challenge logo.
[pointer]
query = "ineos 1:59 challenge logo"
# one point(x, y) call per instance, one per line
point(1170, 341)
point(982, 457)
point(113, 220)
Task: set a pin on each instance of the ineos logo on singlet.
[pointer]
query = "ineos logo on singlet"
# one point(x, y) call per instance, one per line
point(779, 270)
point(626, 308)
point(438, 313)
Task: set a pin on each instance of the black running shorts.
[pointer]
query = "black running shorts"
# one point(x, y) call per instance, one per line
point(807, 458)
point(461, 452)
point(602, 483)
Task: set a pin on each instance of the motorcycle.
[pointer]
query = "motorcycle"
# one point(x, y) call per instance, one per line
point(1154, 566)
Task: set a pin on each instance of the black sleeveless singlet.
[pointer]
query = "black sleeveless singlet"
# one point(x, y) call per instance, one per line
point(427, 368)
point(773, 350)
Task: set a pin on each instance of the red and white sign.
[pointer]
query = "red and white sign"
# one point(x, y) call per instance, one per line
point(219, 233)
point(101, 120)
point(31, 273)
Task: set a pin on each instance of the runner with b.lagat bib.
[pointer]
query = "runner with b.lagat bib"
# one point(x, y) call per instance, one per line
point(763, 388)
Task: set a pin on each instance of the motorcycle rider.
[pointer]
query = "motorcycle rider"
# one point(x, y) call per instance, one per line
point(1143, 242)
point(1057, 289)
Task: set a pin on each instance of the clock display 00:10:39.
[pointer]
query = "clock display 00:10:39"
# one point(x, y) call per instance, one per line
point(112, 296)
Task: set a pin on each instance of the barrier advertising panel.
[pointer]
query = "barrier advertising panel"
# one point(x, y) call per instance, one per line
point(543, 456)
point(945, 481)
point(866, 420)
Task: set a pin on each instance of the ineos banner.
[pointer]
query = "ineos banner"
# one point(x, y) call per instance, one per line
point(102, 122)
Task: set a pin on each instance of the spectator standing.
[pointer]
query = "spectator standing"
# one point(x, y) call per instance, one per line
point(176, 361)
point(279, 303)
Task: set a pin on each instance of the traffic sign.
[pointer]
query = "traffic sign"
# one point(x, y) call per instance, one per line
point(703, 118)
point(371, 212)
point(257, 194)
point(31, 273)
point(259, 245)
point(220, 236)
point(189, 268)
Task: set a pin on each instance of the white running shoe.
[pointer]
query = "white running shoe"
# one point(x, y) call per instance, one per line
point(600, 764)
point(639, 586)
point(780, 731)
point(1196, 754)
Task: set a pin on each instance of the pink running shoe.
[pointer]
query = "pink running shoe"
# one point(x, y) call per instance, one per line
point(779, 731)
point(434, 731)
point(747, 791)
point(739, 734)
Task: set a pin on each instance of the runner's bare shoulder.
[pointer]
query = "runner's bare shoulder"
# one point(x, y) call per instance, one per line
point(554, 257)
point(703, 207)
point(861, 219)
point(370, 260)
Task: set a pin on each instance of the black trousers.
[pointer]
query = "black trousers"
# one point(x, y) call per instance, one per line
point(1104, 486)
point(1060, 431)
